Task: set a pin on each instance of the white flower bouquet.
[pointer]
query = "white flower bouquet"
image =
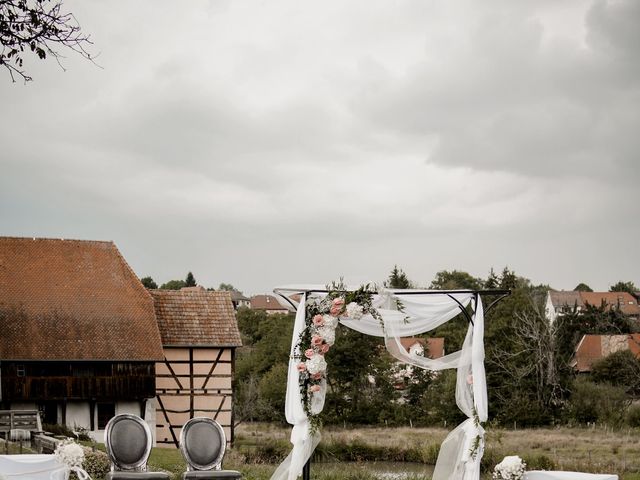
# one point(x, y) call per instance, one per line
point(510, 468)
point(71, 455)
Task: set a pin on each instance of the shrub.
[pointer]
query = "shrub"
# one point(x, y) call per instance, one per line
point(591, 402)
point(96, 464)
point(60, 430)
point(539, 462)
point(633, 416)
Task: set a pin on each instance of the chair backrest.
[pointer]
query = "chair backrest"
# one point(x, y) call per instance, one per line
point(128, 442)
point(202, 442)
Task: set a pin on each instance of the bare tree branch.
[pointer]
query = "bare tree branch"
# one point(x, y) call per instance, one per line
point(39, 26)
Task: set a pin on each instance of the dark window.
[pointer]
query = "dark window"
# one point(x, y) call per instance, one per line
point(48, 412)
point(20, 371)
point(106, 411)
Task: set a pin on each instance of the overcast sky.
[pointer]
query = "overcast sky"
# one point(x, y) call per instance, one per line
point(271, 142)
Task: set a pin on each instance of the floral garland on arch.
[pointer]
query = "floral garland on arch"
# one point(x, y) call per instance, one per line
point(322, 316)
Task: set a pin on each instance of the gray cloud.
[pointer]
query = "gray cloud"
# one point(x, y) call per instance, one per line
point(260, 143)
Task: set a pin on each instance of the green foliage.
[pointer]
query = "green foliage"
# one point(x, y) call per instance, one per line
point(583, 287)
point(173, 285)
point(523, 379)
point(190, 281)
point(56, 429)
point(633, 416)
point(492, 281)
point(96, 464)
point(441, 400)
point(265, 354)
point(272, 391)
point(227, 287)
point(628, 287)
point(148, 283)
point(249, 322)
point(539, 462)
point(621, 368)
point(600, 403)
point(398, 279)
point(455, 279)
point(355, 360)
point(530, 380)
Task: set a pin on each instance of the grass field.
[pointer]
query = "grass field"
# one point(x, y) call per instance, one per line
point(580, 449)
point(350, 454)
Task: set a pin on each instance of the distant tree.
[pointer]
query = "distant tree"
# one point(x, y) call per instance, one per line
point(40, 27)
point(583, 287)
point(493, 281)
point(508, 279)
point(149, 283)
point(398, 279)
point(190, 281)
point(455, 279)
point(628, 287)
point(173, 285)
point(227, 287)
point(530, 388)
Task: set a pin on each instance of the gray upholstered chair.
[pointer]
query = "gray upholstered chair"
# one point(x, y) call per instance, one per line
point(128, 442)
point(203, 442)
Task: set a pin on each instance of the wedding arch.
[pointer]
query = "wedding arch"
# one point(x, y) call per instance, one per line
point(390, 314)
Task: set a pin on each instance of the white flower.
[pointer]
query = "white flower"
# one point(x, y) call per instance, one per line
point(330, 321)
point(316, 364)
point(328, 334)
point(510, 468)
point(70, 453)
point(355, 311)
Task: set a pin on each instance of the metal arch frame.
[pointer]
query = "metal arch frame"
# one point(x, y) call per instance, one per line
point(449, 293)
point(500, 294)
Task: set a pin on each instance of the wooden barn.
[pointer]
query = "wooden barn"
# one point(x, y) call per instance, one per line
point(78, 335)
point(199, 337)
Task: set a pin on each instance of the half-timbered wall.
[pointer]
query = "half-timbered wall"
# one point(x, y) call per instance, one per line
point(193, 382)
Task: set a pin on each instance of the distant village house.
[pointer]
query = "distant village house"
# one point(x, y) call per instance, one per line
point(592, 348)
point(268, 304)
point(560, 302)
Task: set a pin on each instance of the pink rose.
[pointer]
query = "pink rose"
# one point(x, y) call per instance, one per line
point(316, 340)
point(337, 306)
point(470, 379)
point(318, 321)
point(324, 349)
point(316, 376)
point(302, 367)
point(309, 353)
point(314, 388)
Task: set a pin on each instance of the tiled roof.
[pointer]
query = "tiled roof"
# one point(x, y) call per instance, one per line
point(196, 317)
point(565, 299)
point(237, 296)
point(266, 302)
point(625, 301)
point(594, 347)
point(435, 346)
point(72, 300)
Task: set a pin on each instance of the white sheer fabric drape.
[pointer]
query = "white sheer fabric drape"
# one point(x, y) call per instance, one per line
point(37, 467)
point(420, 313)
